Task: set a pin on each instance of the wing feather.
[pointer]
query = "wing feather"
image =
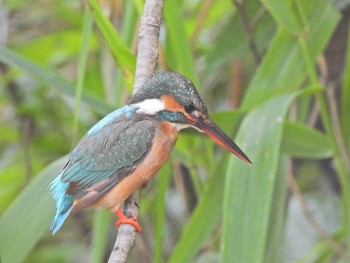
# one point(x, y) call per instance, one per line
point(112, 153)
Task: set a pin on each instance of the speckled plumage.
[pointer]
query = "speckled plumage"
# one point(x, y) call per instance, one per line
point(171, 83)
point(128, 146)
point(110, 151)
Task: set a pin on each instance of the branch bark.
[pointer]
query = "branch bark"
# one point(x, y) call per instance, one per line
point(147, 51)
point(147, 58)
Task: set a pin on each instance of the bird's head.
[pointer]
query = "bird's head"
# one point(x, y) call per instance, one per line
point(169, 96)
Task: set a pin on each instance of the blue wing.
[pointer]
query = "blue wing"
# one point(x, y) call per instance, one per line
point(109, 152)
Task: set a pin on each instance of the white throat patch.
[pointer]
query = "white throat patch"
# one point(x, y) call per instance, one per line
point(150, 106)
point(181, 126)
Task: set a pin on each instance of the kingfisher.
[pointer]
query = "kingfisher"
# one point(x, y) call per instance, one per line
point(128, 147)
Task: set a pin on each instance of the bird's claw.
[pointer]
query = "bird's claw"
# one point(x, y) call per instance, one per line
point(127, 220)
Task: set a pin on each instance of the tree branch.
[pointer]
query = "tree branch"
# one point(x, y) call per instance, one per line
point(147, 58)
point(147, 50)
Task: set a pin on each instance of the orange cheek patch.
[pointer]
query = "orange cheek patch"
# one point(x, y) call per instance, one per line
point(171, 104)
point(167, 128)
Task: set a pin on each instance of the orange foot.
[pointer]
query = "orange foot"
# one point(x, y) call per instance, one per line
point(126, 220)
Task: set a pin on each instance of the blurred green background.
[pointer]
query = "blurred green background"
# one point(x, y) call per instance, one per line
point(276, 77)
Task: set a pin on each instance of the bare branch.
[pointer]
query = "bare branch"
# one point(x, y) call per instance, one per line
point(127, 233)
point(147, 58)
point(147, 51)
point(339, 138)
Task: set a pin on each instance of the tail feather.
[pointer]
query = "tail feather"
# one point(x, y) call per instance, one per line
point(64, 203)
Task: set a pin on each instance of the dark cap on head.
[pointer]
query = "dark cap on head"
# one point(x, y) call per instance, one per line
point(172, 83)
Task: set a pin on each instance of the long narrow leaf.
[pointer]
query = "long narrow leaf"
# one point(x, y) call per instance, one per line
point(10, 58)
point(121, 52)
point(345, 98)
point(179, 42)
point(163, 181)
point(276, 228)
point(204, 219)
point(101, 222)
point(27, 220)
point(304, 142)
point(87, 27)
point(283, 13)
point(283, 68)
point(249, 190)
point(127, 33)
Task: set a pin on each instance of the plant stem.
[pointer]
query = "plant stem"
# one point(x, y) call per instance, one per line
point(147, 58)
point(87, 27)
point(327, 123)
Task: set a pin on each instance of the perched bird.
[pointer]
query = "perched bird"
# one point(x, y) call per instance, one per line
point(130, 145)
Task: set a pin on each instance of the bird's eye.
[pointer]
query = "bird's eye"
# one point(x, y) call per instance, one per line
point(189, 108)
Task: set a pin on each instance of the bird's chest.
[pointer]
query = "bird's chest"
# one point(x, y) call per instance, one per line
point(162, 146)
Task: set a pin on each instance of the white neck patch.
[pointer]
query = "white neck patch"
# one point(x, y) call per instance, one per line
point(150, 106)
point(181, 126)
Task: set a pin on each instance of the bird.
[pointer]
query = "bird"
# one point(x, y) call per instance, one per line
point(126, 148)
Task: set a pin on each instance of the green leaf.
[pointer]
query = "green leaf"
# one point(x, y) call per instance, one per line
point(163, 181)
point(101, 221)
point(121, 52)
point(345, 97)
point(277, 219)
point(179, 43)
point(227, 120)
point(231, 41)
point(87, 28)
point(55, 48)
point(282, 12)
point(303, 142)
point(139, 6)
point(203, 221)
point(11, 58)
point(127, 33)
point(249, 190)
point(28, 218)
point(283, 69)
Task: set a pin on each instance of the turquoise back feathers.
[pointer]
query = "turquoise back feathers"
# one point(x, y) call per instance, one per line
point(109, 152)
point(64, 203)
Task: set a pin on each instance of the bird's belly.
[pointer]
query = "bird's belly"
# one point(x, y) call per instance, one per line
point(162, 145)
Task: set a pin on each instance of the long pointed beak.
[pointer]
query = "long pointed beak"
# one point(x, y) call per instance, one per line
point(221, 138)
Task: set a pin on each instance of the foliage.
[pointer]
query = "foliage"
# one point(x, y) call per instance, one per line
point(205, 205)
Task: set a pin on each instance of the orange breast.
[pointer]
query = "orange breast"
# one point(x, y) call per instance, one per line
point(162, 145)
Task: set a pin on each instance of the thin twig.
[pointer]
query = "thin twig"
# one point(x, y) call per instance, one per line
point(323, 69)
point(313, 115)
point(344, 155)
point(147, 57)
point(328, 239)
point(333, 111)
point(261, 12)
point(236, 83)
point(248, 29)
